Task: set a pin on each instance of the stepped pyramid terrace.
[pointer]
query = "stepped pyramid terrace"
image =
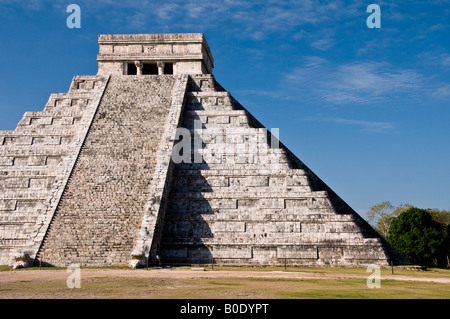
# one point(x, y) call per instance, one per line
point(153, 161)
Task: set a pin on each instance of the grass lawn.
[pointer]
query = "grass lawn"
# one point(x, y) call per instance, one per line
point(249, 283)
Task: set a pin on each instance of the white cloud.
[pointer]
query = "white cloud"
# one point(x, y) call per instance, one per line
point(356, 82)
point(256, 20)
point(166, 11)
point(365, 126)
point(442, 92)
point(445, 59)
point(323, 44)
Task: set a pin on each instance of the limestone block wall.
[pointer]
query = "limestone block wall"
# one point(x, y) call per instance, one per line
point(252, 202)
point(90, 180)
point(98, 219)
point(35, 162)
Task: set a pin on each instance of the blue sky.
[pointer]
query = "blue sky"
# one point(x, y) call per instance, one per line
point(368, 110)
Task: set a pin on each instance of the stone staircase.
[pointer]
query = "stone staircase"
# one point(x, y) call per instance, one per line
point(100, 214)
point(252, 202)
point(34, 165)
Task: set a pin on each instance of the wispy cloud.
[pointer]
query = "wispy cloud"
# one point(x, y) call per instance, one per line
point(434, 58)
point(323, 44)
point(364, 126)
point(349, 83)
point(251, 19)
point(445, 59)
point(28, 5)
point(443, 92)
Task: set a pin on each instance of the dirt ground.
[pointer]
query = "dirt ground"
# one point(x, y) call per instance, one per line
point(199, 283)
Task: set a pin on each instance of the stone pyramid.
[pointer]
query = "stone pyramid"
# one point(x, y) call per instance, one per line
point(152, 161)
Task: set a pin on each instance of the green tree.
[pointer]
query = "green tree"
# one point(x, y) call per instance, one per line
point(416, 235)
point(381, 216)
point(443, 217)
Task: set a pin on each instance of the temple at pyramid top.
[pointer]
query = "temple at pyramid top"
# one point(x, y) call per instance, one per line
point(134, 54)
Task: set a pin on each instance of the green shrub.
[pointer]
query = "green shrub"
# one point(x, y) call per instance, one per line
point(418, 237)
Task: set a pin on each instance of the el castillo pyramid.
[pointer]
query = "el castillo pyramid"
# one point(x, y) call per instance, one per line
point(152, 161)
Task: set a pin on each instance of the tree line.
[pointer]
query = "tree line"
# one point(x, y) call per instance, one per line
point(421, 235)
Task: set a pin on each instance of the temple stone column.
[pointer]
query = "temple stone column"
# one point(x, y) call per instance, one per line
point(160, 66)
point(139, 66)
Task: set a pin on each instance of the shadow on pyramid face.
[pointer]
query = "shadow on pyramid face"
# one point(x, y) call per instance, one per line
point(195, 104)
point(199, 85)
point(185, 227)
point(250, 201)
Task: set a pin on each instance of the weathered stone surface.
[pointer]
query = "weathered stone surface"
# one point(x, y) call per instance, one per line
point(189, 53)
point(251, 202)
point(112, 175)
point(92, 178)
point(32, 170)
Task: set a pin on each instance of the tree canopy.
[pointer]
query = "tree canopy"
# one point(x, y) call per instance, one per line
point(420, 238)
point(380, 216)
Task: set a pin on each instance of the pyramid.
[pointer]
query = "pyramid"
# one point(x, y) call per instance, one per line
point(153, 161)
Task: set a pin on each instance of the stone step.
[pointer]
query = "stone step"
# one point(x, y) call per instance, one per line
point(26, 182)
point(206, 203)
point(245, 229)
point(268, 215)
point(68, 100)
point(207, 94)
point(235, 136)
point(9, 230)
point(204, 83)
point(75, 94)
point(300, 196)
point(230, 119)
point(47, 121)
point(238, 179)
point(242, 163)
point(232, 150)
point(18, 218)
point(296, 241)
point(27, 163)
point(189, 114)
point(42, 131)
point(37, 140)
point(31, 150)
point(287, 173)
point(27, 171)
point(238, 151)
point(208, 182)
point(267, 159)
point(209, 100)
point(234, 122)
point(31, 157)
point(83, 84)
point(9, 243)
point(270, 254)
point(55, 113)
point(197, 106)
point(231, 189)
point(23, 194)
